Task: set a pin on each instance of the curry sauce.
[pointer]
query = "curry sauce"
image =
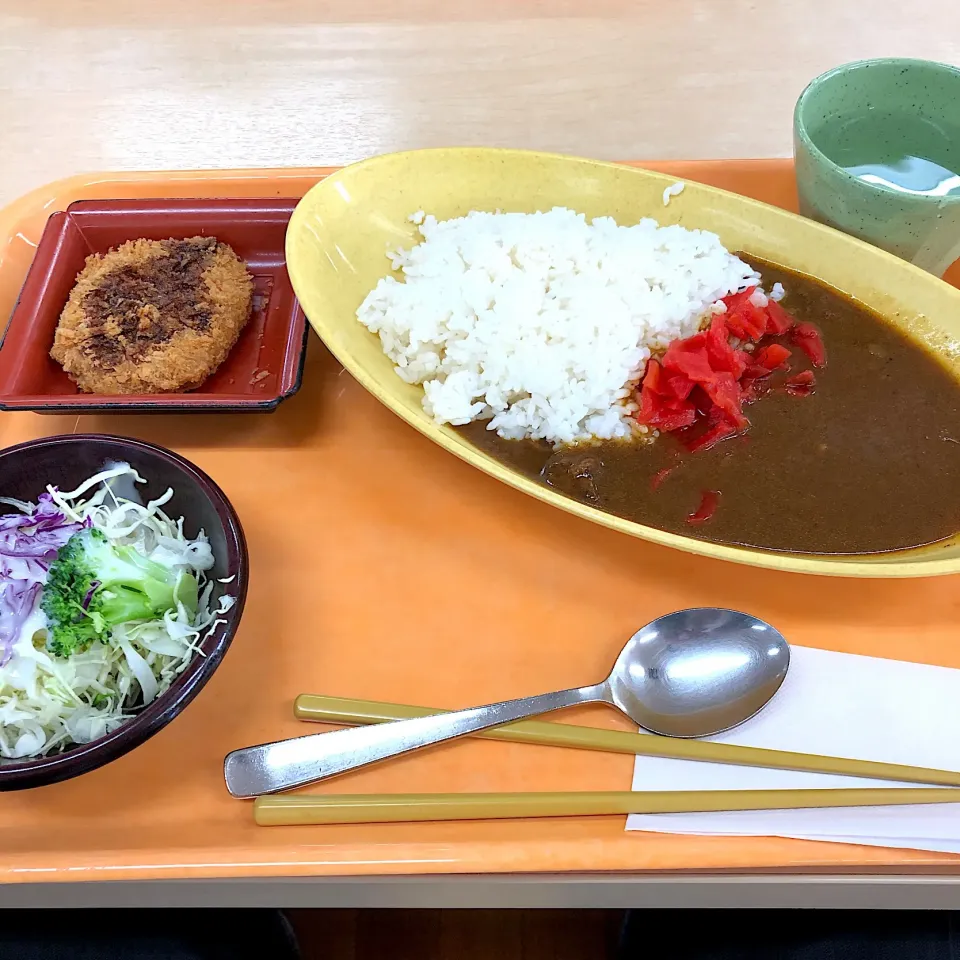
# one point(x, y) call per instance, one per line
point(868, 463)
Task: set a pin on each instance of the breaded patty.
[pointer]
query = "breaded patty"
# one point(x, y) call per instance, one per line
point(153, 316)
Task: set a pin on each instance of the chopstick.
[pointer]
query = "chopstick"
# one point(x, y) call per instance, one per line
point(300, 809)
point(345, 710)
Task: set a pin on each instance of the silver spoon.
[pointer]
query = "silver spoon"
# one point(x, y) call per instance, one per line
point(687, 674)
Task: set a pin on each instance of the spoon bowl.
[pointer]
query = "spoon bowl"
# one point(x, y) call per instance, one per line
point(686, 674)
point(697, 672)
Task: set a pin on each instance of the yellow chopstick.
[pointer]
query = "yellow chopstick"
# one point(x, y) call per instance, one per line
point(350, 711)
point(304, 808)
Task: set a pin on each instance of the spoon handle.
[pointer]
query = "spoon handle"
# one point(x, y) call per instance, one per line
point(272, 767)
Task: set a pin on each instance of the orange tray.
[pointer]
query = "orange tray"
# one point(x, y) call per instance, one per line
point(384, 568)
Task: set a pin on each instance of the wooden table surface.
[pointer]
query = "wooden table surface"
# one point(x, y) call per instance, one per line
point(106, 84)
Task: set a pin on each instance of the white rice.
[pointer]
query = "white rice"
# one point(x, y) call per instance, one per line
point(542, 323)
point(674, 190)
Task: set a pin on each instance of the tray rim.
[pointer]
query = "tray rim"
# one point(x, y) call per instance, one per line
point(40, 197)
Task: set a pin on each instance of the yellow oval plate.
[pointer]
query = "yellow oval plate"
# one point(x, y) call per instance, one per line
point(340, 232)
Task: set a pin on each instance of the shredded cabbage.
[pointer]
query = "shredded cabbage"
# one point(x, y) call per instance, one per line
point(48, 703)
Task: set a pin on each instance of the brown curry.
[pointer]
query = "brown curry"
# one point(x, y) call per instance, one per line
point(870, 462)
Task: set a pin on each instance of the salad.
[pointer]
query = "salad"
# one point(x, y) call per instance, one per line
point(103, 603)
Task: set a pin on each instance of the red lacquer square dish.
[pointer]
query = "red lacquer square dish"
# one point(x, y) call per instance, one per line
point(264, 367)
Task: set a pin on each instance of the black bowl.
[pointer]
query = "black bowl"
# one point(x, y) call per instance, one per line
point(66, 461)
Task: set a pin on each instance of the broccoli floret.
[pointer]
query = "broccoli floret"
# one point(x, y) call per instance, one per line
point(92, 586)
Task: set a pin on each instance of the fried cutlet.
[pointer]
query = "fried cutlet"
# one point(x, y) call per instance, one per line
point(153, 316)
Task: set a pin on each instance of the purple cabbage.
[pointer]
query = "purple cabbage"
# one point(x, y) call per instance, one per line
point(94, 586)
point(17, 600)
point(28, 545)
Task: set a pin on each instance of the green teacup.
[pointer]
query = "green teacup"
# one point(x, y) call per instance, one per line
point(877, 151)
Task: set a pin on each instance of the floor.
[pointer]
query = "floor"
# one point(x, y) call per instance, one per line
point(456, 934)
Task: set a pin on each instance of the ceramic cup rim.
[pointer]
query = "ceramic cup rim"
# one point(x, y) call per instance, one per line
point(800, 129)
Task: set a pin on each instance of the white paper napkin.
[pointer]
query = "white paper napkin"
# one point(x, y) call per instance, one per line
point(841, 705)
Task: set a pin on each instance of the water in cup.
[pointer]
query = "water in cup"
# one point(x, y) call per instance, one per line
point(897, 151)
